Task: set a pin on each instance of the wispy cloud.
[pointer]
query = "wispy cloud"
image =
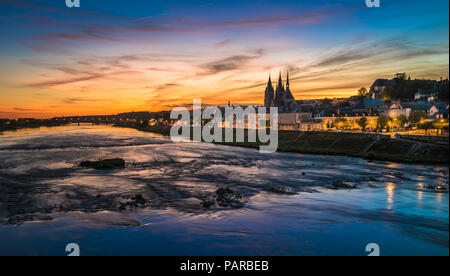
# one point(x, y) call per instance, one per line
point(61, 35)
point(231, 63)
point(166, 86)
point(65, 80)
point(25, 109)
point(222, 43)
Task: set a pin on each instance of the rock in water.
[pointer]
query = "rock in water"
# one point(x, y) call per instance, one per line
point(342, 184)
point(107, 164)
point(229, 198)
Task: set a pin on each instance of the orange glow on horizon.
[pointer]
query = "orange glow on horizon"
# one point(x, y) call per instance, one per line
point(35, 111)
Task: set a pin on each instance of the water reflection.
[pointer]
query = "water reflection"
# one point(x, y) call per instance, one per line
point(167, 185)
point(390, 187)
point(439, 197)
point(419, 196)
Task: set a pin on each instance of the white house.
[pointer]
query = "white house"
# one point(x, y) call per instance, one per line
point(396, 110)
point(437, 107)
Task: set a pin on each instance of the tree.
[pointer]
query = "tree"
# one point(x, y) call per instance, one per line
point(405, 88)
point(443, 93)
point(403, 120)
point(363, 122)
point(387, 92)
point(417, 116)
point(362, 92)
point(382, 122)
point(400, 76)
point(341, 123)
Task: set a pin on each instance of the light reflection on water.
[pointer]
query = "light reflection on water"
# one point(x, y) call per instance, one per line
point(419, 196)
point(390, 187)
point(391, 206)
point(439, 198)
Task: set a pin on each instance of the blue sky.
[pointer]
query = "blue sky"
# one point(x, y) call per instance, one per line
point(56, 60)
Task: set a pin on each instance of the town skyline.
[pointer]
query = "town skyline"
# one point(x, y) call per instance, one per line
point(274, 81)
point(138, 56)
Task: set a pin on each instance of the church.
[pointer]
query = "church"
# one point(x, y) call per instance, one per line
point(281, 97)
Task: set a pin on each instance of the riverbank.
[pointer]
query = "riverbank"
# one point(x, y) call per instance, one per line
point(30, 125)
point(367, 146)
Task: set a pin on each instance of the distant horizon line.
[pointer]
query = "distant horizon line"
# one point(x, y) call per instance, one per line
point(163, 110)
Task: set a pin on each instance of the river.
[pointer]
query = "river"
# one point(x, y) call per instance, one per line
point(289, 205)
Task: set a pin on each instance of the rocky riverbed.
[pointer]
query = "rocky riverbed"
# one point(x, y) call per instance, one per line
point(196, 186)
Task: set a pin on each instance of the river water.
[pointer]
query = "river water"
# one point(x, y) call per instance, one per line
point(289, 207)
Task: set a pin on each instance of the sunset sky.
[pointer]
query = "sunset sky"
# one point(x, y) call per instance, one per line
point(117, 56)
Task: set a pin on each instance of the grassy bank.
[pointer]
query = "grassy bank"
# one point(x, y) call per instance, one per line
point(370, 147)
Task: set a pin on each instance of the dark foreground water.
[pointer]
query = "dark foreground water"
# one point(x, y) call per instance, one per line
point(46, 201)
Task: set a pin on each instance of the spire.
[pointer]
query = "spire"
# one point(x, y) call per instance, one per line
point(287, 82)
point(269, 94)
point(280, 81)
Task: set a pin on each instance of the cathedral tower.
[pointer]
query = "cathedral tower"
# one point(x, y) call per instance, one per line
point(282, 97)
point(269, 95)
point(279, 92)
